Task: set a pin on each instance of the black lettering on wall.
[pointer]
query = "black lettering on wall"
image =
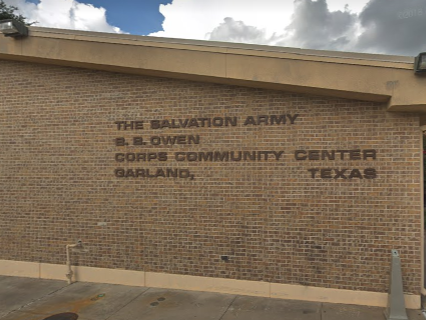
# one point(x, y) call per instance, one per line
point(129, 125)
point(355, 154)
point(329, 173)
point(120, 142)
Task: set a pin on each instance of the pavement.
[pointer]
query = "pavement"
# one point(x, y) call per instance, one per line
point(40, 299)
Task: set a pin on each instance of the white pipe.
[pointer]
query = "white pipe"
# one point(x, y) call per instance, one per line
point(70, 273)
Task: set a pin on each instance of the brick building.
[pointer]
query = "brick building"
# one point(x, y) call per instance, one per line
point(208, 166)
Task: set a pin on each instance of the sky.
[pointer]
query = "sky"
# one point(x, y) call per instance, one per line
point(395, 27)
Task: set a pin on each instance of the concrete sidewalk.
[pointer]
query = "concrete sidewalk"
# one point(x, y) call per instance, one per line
point(35, 299)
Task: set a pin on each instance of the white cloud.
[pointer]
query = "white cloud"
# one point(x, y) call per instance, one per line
point(197, 19)
point(65, 14)
point(355, 6)
point(346, 25)
point(375, 26)
point(237, 31)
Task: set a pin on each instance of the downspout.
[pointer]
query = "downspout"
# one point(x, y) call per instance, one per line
point(74, 247)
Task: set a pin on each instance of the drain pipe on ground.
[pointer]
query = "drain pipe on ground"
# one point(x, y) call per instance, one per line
point(77, 247)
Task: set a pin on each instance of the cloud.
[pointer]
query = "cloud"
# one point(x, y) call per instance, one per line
point(393, 26)
point(383, 26)
point(196, 19)
point(237, 31)
point(65, 14)
point(314, 26)
point(214, 19)
point(376, 26)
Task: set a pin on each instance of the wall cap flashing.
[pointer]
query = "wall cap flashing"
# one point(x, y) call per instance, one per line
point(215, 45)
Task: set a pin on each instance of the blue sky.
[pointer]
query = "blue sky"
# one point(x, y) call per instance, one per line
point(139, 17)
point(375, 26)
point(135, 17)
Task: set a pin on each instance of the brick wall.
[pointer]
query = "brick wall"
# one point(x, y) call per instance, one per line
point(288, 216)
